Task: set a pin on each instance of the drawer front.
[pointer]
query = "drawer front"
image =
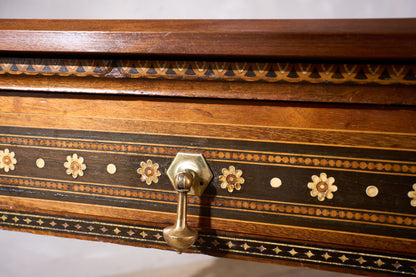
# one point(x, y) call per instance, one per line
point(311, 183)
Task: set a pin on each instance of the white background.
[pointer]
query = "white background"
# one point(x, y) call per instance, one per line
point(207, 9)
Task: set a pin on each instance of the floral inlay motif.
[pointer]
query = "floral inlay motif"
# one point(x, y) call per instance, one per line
point(75, 166)
point(412, 195)
point(322, 187)
point(149, 172)
point(231, 179)
point(7, 160)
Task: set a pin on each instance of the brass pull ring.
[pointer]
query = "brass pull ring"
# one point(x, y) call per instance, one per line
point(188, 173)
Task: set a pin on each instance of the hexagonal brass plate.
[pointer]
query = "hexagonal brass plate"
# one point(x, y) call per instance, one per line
point(196, 163)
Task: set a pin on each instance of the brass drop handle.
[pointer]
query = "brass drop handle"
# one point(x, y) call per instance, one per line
point(189, 173)
point(180, 236)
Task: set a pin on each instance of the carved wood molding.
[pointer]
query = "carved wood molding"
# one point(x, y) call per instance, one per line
point(315, 73)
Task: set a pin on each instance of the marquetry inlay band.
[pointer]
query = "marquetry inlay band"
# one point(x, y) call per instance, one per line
point(412, 196)
point(275, 182)
point(384, 74)
point(315, 212)
point(218, 243)
point(322, 187)
point(111, 168)
point(40, 163)
point(149, 172)
point(75, 166)
point(231, 155)
point(231, 179)
point(371, 191)
point(7, 160)
point(244, 183)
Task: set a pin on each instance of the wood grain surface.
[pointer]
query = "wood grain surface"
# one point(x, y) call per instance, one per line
point(228, 112)
point(358, 126)
point(389, 39)
point(297, 92)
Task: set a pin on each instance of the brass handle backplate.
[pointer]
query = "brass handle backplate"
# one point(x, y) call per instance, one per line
point(188, 173)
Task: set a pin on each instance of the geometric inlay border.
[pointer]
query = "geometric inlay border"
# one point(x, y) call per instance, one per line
point(225, 244)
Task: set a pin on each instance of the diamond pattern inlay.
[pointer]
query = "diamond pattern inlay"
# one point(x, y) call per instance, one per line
point(309, 254)
point(361, 260)
point(326, 256)
point(238, 246)
point(293, 252)
point(245, 246)
point(379, 262)
point(277, 250)
point(215, 243)
point(343, 258)
point(397, 265)
point(201, 240)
